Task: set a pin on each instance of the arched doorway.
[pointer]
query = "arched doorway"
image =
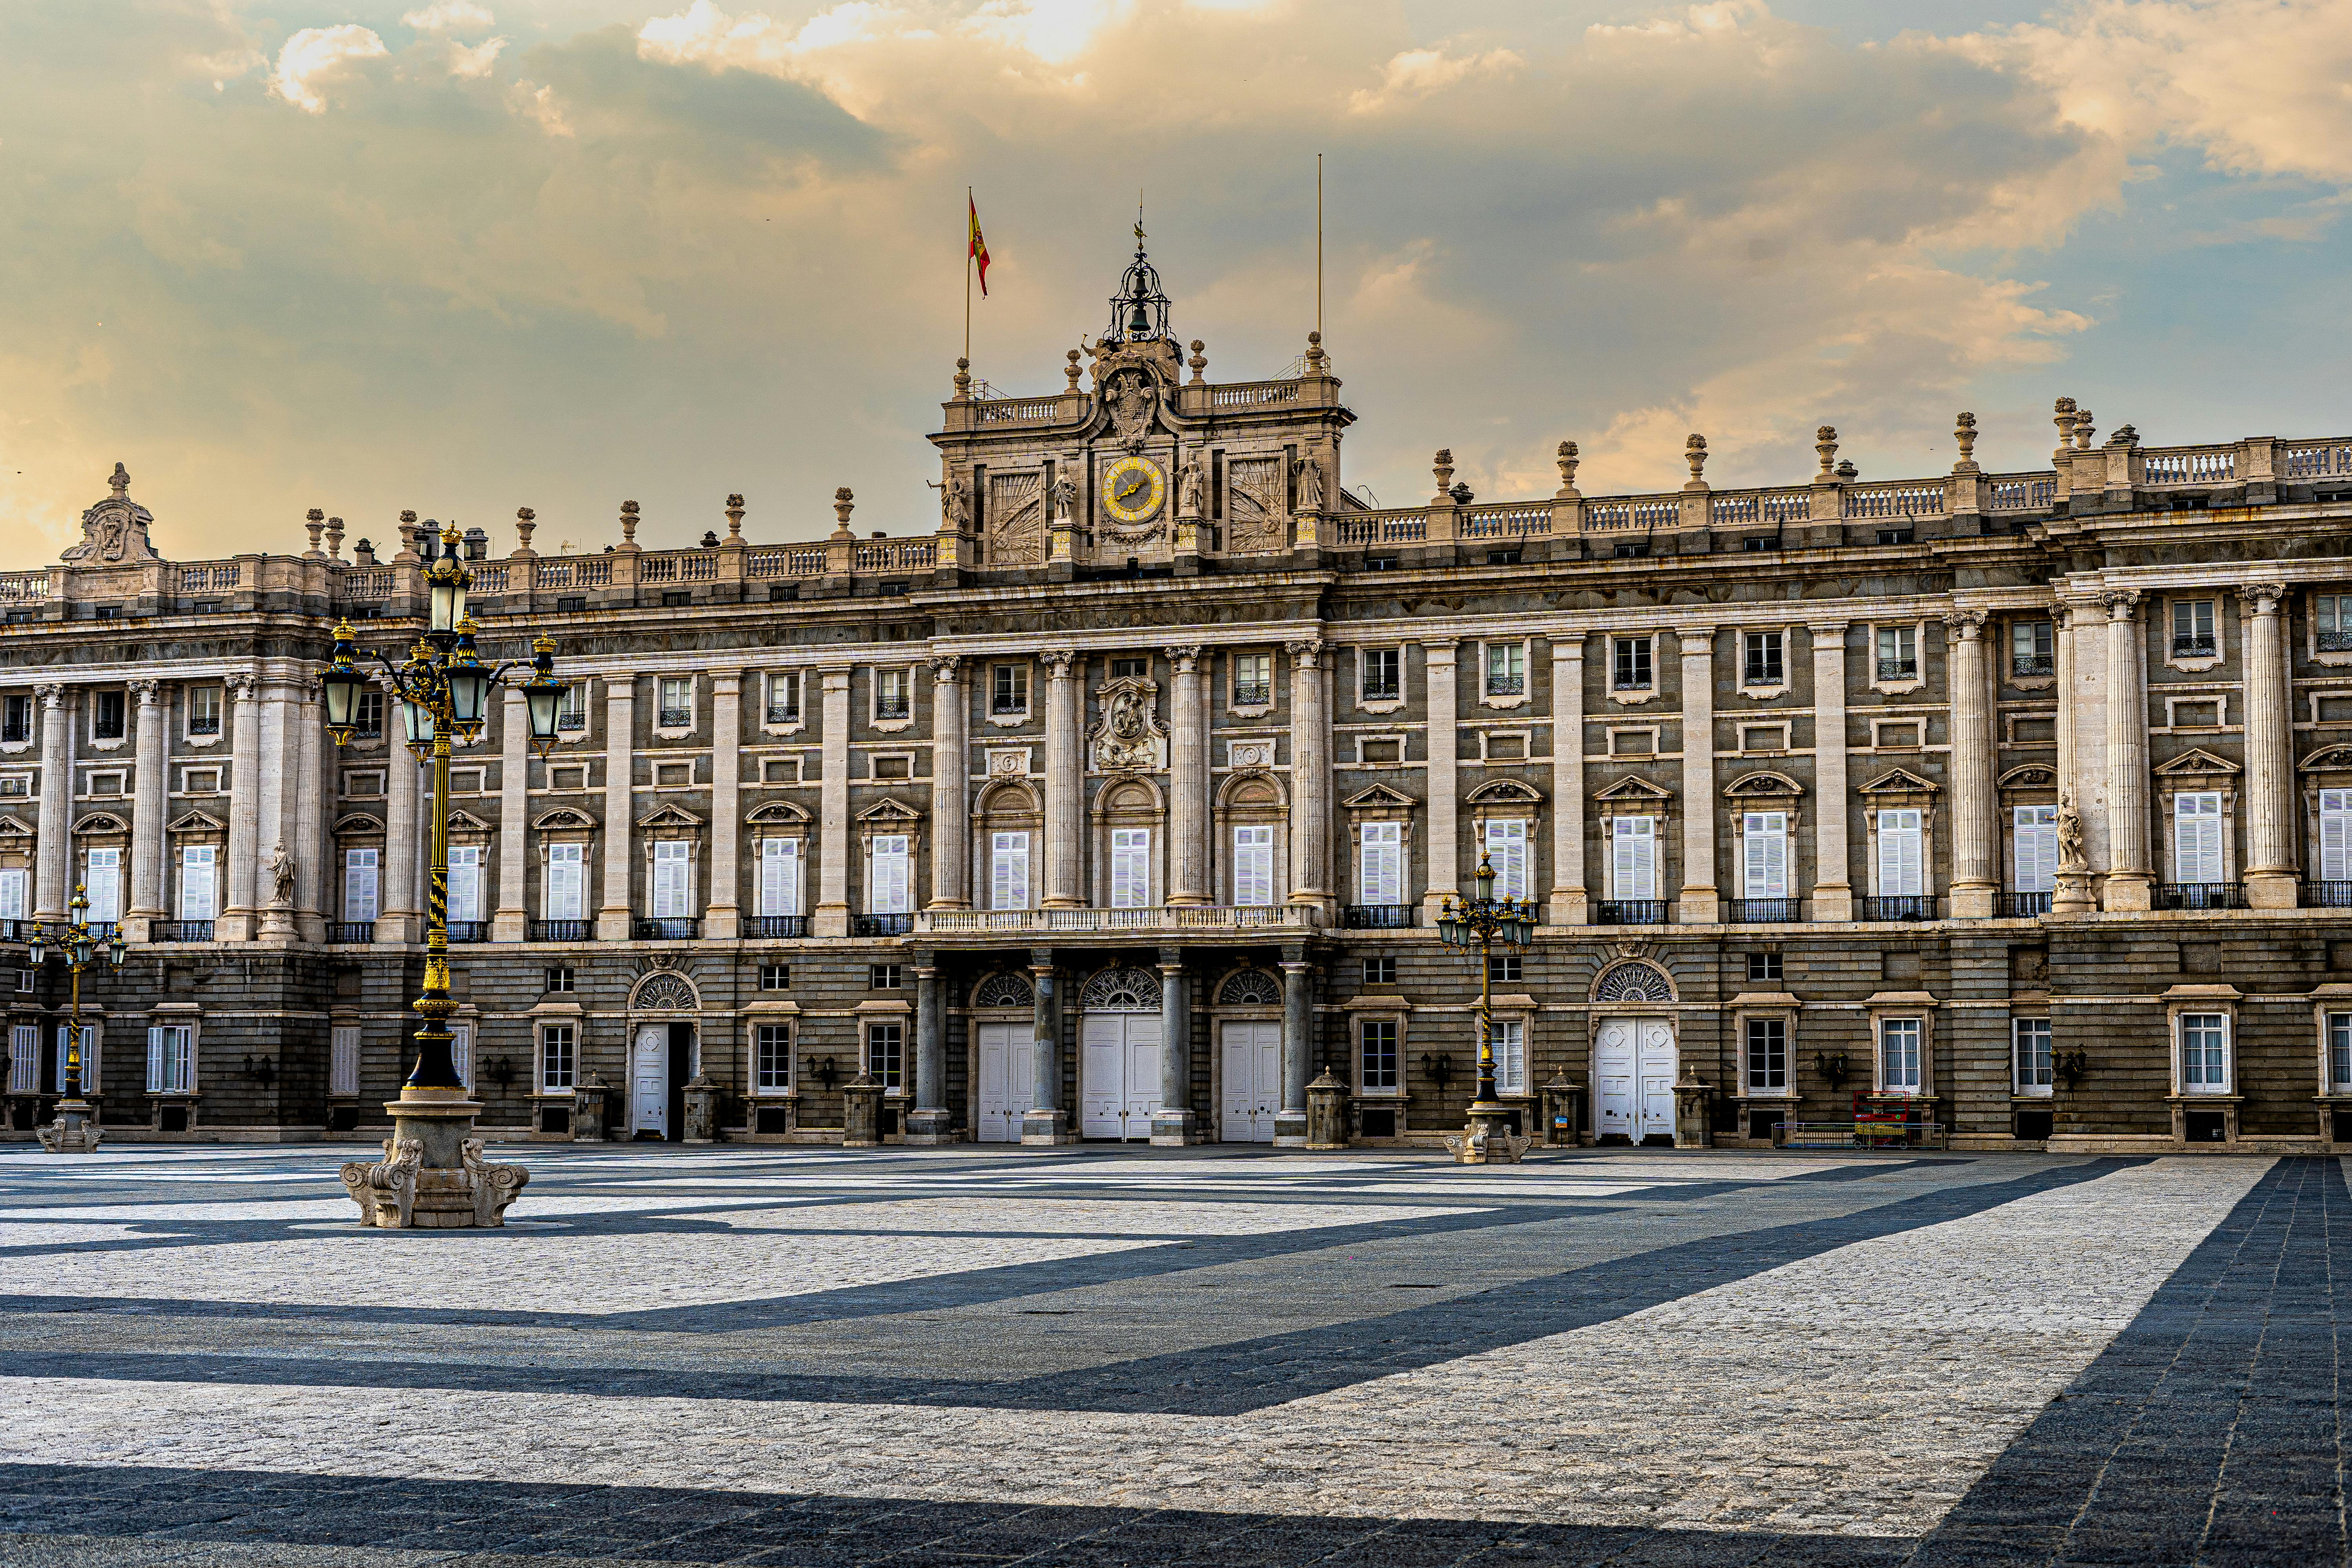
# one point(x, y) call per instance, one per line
point(1004, 1043)
point(1633, 1055)
point(1248, 1069)
point(663, 1047)
point(1118, 1054)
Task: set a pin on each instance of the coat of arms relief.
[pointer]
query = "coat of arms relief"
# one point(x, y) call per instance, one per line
point(1129, 738)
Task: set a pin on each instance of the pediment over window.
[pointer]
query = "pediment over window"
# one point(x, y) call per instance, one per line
point(890, 810)
point(1379, 798)
point(193, 822)
point(1752, 786)
point(778, 814)
point(1635, 792)
point(1504, 792)
point(563, 819)
point(670, 814)
point(1901, 781)
point(354, 822)
point(1263, 791)
point(2328, 758)
point(12, 828)
point(466, 822)
point(101, 822)
point(2197, 761)
point(2032, 775)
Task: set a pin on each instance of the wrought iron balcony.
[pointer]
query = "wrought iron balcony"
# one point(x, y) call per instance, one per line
point(674, 719)
point(890, 708)
point(2335, 642)
point(771, 927)
point(469, 930)
point(784, 715)
point(572, 720)
point(563, 930)
point(1009, 707)
point(2024, 906)
point(1898, 669)
point(1762, 911)
point(2034, 664)
point(180, 930)
point(667, 929)
point(195, 727)
point(1631, 683)
point(1909, 907)
point(881, 925)
point(1507, 685)
point(2199, 895)
point(2327, 895)
point(1632, 913)
point(351, 930)
point(2193, 647)
point(1376, 917)
point(1253, 693)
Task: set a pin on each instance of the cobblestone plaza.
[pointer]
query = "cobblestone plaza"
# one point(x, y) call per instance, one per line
point(966, 1356)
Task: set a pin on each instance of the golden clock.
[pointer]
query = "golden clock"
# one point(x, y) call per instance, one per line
point(1134, 488)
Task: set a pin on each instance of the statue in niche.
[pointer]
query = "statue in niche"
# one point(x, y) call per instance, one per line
point(2071, 856)
point(955, 503)
point(1310, 485)
point(281, 878)
point(1191, 482)
point(1065, 499)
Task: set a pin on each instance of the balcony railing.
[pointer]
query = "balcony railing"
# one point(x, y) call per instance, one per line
point(351, 930)
point(667, 930)
point(1151, 917)
point(563, 930)
point(1898, 669)
point(1632, 913)
point(180, 930)
point(1376, 917)
point(16, 930)
point(2032, 664)
point(881, 925)
point(1507, 685)
point(469, 930)
point(2024, 906)
point(890, 708)
point(2199, 895)
point(210, 726)
point(2335, 642)
point(675, 718)
point(1253, 693)
point(771, 927)
point(1762, 911)
point(2327, 895)
point(572, 720)
point(1631, 683)
point(1907, 907)
point(784, 715)
point(2193, 647)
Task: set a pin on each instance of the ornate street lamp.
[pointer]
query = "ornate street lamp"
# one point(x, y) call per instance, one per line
point(75, 1131)
point(1482, 922)
point(434, 1175)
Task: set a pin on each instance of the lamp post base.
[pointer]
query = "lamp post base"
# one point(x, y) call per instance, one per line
point(1488, 1139)
point(74, 1132)
point(433, 1175)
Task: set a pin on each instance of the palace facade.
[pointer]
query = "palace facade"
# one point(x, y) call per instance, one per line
point(1120, 805)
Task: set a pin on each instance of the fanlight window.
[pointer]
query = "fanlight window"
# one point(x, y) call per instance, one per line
point(664, 994)
point(1633, 983)
point(1004, 991)
point(1251, 988)
point(1121, 991)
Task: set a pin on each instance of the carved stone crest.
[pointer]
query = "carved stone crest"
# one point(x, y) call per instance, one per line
point(1131, 738)
point(114, 531)
point(1131, 398)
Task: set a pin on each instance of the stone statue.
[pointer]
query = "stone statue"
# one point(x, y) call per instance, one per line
point(1310, 485)
point(1065, 499)
point(955, 503)
point(1191, 482)
point(2070, 839)
point(281, 878)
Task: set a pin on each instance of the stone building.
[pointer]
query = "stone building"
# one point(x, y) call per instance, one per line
point(1120, 805)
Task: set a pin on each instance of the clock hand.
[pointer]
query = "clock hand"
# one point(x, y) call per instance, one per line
point(1134, 488)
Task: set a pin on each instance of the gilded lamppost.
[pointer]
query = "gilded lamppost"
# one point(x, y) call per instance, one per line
point(75, 1131)
point(433, 1175)
point(1482, 922)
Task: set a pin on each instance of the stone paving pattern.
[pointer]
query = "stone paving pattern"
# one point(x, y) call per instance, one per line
point(1094, 1358)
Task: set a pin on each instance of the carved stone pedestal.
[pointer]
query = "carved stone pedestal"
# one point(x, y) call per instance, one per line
point(433, 1175)
point(1563, 1107)
point(1488, 1140)
point(861, 1113)
point(701, 1110)
point(74, 1132)
point(1694, 1123)
point(1327, 1112)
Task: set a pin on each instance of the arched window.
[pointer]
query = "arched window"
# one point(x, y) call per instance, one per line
point(1633, 980)
point(1004, 991)
point(664, 993)
point(1121, 991)
point(1250, 988)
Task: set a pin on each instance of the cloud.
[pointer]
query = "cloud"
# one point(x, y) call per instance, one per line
point(1417, 73)
point(449, 17)
point(315, 57)
point(476, 60)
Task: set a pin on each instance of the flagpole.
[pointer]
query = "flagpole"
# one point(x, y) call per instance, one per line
point(1319, 247)
point(967, 273)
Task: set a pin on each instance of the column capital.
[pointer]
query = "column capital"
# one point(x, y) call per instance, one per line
point(145, 689)
point(1304, 651)
point(1695, 641)
point(1057, 662)
point(1567, 646)
point(836, 681)
point(945, 668)
point(1968, 623)
point(52, 694)
point(2263, 598)
point(1186, 658)
point(1821, 629)
point(721, 681)
point(2121, 603)
point(1442, 650)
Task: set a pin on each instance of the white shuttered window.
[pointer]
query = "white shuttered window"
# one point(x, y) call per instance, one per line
point(197, 862)
point(1902, 873)
point(359, 884)
point(171, 1052)
point(1634, 856)
point(465, 882)
point(12, 893)
point(1253, 865)
point(1764, 839)
point(2035, 829)
point(1511, 1056)
point(567, 897)
point(1507, 852)
point(343, 1060)
point(1130, 868)
point(2197, 836)
point(1008, 870)
point(780, 876)
point(1380, 874)
point(2335, 835)
point(24, 1058)
point(673, 868)
point(92, 1036)
point(102, 880)
point(887, 881)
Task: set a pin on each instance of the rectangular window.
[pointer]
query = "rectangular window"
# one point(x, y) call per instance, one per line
point(888, 883)
point(12, 892)
point(2340, 1053)
point(1507, 852)
point(1506, 670)
point(1902, 866)
point(1130, 868)
point(885, 1054)
point(2335, 835)
point(2193, 627)
point(572, 710)
point(2331, 621)
point(2030, 1042)
point(1898, 653)
point(676, 702)
point(25, 1060)
point(371, 716)
point(561, 978)
point(1253, 679)
point(1631, 660)
point(882, 977)
point(566, 897)
point(775, 977)
point(1511, 1056)
point(1506, 969)
point(343, 1060)
point(359, 885)
point(673, 868)
point(2034, 830)
point(891, 699)
point(1764, 966)
point(772, 1053)
point(1764, 841)
point(556, 1060)
point(1633, 858)
point(17, 719)
point(461, 1052)
point(102, 880)
point(197, 866)
point(2032, 648)
point(171, 1058)
point(1380, 865)
point(1008, 870)
point(1009, 689)
point(1384, 679)
point(780, 876)
point(1898, 1055)
point(1379, 971)
point(105, 716)
point(783, 699)
point(90, 1069)
point(1768, 1055)
point(1129, 668)
point(2197, 836)
point(1253, 865)
point(2205, 1053)
point(465, 882)
point(1761, 662)
point(1379, 1037)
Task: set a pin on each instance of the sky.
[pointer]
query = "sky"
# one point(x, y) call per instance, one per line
point(467, 256)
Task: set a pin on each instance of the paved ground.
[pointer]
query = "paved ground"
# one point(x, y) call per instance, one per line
point(1095, 1358)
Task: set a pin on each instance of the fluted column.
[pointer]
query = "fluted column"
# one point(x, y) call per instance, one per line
point(245, 847)
point(1188, 781)
point(1833, 843)
point(1444, 785)
point(1567, 907)
point(149, 793)
point(2270, 764)
point(722, 913)
point(613, 910)
point(1063, 827)
point(1172, 1124)
point(511, 918)
point(316, 788)
point(2128, 877)
point(280, 776)
point(950, 773)
point(830, 917)
point(399, 916)
point(54, 879)
point(2071, 894)
point(1310, 782)
point(930, 1120)
point(1975, 874)
point(1700, 902)
point(1298, 1049)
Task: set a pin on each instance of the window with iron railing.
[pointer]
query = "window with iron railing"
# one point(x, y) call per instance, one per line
point(1761, 662)
point(1253, 679)
point(1898, 653)
point(1009, 689)
point(1630, 661)
point(2192, 629)
point(784, 699)
point(2331, 622)
point(890, 694)
point(1506, 668)
point(2032, 648)
point(1383, 680)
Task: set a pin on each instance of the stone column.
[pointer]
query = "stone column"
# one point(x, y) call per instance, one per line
point(830, 917)
point(1298, 1041)
point(722, 912)
point(1188, 781)
point(1064, 824)
point(245, 850)
point(1444, 785)
point(1174, 1125)
point(2128, 877)
point(614, 912)
point(929, 1122)
point(2072, 890)
point(2269, 763)
point(510, 916)
point(316, 788)
point(1700, 902)
point(150, 794)
point(1568, 906)
point(1310, 781)
point(951, 772)
point(280, 759)
point(1047, 1123)
point(1833, 844)
point(1976, 867)
point(398, 915)
point(53, 876)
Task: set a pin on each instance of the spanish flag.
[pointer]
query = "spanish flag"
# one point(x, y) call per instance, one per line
point(979, 246)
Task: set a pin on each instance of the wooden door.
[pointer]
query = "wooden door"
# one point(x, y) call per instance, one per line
point(1102, 1074)
point(1252, 1086)
point(649, 1081)
point(1655, 1039)
point(1613, 1073)
point(1007, 1083)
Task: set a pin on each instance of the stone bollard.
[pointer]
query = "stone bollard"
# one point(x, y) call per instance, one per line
point(1327, 1112)
point(588, 1109)
point(861, 1113)
point(1693, 1128)
point(1563, 1103)
point(701, 1110)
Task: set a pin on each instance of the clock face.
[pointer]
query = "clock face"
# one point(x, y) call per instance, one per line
point(1134, 488)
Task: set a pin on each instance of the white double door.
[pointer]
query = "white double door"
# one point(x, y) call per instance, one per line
point(1008, 1082)
point(1118, 1074)
point(1252, 1081)
point(1634, 1067)
point(649, 1080)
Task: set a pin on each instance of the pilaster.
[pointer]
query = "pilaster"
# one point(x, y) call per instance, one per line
point(1975, 871)
point(1188, 781)
point(723, 914)
point(1297, 1047)
point(1700, 904)
point(54, 865)
point(2270, 764)
point(1063, 762)
point(2128, 877)
point(150, 794)
point(1445, 782)
point(830, 917)
point(398, 917)
point(1832, 842)
point(930, 1121)
point(1568, 906)
point(315, 788)
point(511, 919)
point(951, 769)
point(1047, 1123)
point(1174, 1125)
point(1310, 781)
point(244, 849)
point(613, 911)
